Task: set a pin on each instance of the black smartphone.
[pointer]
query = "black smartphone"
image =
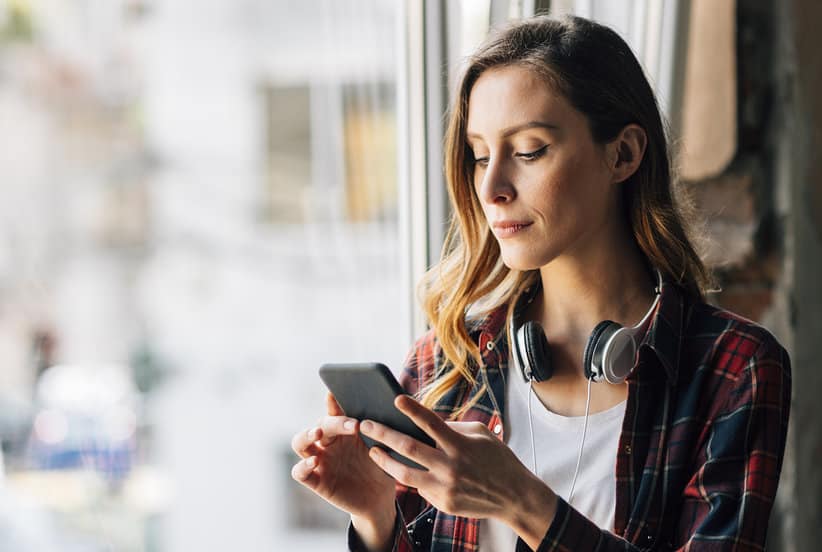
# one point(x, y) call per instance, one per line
point(367, 391)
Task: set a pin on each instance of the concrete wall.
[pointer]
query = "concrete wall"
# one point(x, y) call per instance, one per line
point(763, 218)
point(798, 73)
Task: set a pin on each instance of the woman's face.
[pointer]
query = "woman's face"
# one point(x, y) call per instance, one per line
point(545, 187)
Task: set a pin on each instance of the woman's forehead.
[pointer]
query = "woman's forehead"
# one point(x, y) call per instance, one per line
point(513, 98)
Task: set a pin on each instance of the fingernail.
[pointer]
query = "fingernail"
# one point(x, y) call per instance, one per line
point(311, 433)
point(311, 462)
point(366, 427)
point(348, 425)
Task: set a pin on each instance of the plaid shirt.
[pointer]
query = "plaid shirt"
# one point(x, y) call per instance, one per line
point(701, 445)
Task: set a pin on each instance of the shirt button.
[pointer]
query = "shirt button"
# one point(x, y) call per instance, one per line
point(490, 345)
point(497, 429)
point(627, 449)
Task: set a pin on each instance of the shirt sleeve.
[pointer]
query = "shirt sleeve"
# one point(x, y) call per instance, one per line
point(402, 541)
point(727, 502)
point(416, 370)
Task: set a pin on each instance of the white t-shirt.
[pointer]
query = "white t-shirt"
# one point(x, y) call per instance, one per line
point(556, 440)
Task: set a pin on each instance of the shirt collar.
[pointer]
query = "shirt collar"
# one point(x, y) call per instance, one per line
point(664, 335)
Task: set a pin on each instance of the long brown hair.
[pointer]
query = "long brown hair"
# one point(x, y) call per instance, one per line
point(593, 68)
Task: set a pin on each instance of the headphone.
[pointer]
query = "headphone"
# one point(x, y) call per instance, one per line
point(610, 351)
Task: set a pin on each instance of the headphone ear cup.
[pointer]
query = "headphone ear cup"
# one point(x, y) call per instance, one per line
point(537, 351)
point(594, 348)
point(619, 357)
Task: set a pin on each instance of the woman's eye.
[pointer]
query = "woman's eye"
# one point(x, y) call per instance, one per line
point(527, 156)
point(532, 155)
point(481, 161)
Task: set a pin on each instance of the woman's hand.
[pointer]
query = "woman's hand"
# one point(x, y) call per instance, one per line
point(335, 465)
point(470, 473)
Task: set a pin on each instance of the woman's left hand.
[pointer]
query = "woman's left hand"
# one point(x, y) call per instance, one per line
point(470, 473)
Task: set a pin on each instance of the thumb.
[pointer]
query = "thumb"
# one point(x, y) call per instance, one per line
point(333, 407)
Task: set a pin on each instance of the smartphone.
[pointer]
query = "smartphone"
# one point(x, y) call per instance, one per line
point(367, 391)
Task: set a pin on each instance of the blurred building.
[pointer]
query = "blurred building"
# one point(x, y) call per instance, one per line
point(212, 201)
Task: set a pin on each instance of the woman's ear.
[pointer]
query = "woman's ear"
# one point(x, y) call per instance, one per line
point(627, 150)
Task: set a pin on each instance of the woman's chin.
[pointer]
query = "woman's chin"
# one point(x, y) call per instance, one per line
point(521, 261)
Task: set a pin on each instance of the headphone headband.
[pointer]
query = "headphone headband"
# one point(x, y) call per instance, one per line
point(610, 352)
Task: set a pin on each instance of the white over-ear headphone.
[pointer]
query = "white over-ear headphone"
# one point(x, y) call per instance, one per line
point(610, 351)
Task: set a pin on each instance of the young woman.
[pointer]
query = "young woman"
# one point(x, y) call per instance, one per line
point(559, 177)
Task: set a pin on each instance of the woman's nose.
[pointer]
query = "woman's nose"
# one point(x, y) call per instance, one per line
point(496, 185)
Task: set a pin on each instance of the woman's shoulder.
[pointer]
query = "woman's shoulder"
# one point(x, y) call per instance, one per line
point(490, 322)
point(730, 343)
point(424, 352)
point(425, 359)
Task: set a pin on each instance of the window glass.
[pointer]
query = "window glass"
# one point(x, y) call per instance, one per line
point(199, 207)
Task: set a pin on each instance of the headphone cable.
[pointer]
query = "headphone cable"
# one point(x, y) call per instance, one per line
point(531, 427)
point(581, 442)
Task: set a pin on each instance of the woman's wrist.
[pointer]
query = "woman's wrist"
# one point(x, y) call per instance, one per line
point(532, 511)
point(376, 533)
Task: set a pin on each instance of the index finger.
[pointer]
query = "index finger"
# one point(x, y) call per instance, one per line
point(426, 419)
point(333, 407)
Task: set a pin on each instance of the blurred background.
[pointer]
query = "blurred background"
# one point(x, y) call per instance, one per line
point(201, 201)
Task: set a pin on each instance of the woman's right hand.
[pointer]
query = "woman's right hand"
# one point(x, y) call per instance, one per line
point(335, 465)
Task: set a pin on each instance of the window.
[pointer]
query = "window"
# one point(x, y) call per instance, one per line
point(204, 201)
point(287, 169)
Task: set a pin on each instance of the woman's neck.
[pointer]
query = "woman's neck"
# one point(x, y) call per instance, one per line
point(613, 283)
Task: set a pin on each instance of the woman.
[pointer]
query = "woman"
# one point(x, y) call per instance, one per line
point(559, 178)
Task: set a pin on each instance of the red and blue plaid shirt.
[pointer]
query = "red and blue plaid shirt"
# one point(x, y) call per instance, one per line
point(701, 447)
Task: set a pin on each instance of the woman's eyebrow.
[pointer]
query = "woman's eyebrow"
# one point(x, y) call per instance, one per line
point(518, 128)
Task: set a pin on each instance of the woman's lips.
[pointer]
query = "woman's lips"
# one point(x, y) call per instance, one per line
point(507, 229)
